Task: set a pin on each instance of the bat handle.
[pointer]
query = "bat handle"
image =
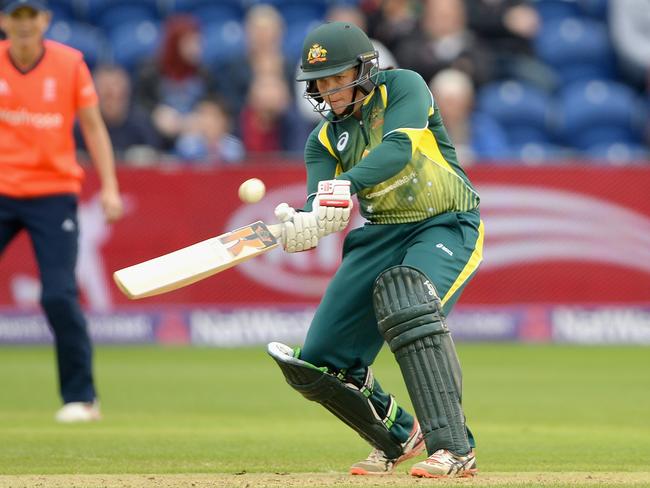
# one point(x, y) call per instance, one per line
point(275, 229)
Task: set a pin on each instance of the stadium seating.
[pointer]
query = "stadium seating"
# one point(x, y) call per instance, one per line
point(63, 10)
point(88, 39)
point(132, 14)
point(222, 41)
point(617, 153)
point(218, 13)
point(521, 109)
point(553, 10)
point(192, 5)
point(591, 112)
point(295, 35)
point(133, 42)
point(108, 14)
point(598, 114)
point(534, 153)
point(595, 8)
point(302, 12)
point(578, 49)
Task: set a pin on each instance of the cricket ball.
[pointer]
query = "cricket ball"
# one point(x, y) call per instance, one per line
point(252, 190)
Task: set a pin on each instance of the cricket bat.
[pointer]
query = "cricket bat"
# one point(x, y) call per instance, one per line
point(196, 262)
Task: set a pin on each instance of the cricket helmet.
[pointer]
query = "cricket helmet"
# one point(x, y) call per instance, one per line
point(333, 48)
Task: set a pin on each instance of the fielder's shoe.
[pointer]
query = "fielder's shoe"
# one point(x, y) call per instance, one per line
point(444, 464)
point(74, 412)
point(378, 464)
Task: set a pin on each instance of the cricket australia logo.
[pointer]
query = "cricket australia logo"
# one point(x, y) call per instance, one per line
point(317, 54)
point(376, 118)
point(343, 141)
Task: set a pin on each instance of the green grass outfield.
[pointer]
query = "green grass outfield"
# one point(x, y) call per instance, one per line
point(543, 416)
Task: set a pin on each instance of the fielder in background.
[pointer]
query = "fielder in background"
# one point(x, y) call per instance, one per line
point(43, 86)
point(382, 139)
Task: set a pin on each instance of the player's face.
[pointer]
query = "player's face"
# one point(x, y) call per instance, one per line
point(26, 27)
point(333, 90)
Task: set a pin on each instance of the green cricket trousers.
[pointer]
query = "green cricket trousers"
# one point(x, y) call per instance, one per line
point(343, 334)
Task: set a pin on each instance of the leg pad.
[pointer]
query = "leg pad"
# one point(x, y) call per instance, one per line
point(348, 401)
point(410, 318)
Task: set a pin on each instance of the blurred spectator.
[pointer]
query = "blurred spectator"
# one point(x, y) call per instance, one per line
point(268, 121)
point(475, 135)
point(170, 87)
point(630, 28)
point(443, 40)
point(508, 28)
point(353, 15)
point(207, 136)
point(129, 127)
point(392, 22)
point(264, 28)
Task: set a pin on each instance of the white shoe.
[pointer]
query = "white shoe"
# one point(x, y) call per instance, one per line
point(378, 464)
point(445, 464)
point(74, 412)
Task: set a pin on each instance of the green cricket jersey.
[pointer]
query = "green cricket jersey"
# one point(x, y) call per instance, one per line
point(398, 156)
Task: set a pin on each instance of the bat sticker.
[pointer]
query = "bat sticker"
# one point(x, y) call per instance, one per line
point(256, 236)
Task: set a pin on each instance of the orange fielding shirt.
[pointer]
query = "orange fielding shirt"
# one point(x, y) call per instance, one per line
point(37, 113)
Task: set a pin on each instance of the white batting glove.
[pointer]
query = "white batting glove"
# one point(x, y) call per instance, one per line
point(332, 206)
point(299, 229)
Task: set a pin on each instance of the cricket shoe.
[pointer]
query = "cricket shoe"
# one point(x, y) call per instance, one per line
point(377, 463)
point(445, 464)
point(75, 412)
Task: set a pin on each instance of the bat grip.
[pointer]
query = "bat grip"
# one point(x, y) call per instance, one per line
point(275, 229)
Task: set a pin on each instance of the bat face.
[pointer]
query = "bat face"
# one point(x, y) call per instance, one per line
point(196, 262)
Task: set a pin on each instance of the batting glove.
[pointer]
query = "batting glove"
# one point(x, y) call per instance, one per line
point(332, 206)
point(299, 229)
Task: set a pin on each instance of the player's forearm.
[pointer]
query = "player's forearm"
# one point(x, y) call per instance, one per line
point(101, 153)
point(386, 160)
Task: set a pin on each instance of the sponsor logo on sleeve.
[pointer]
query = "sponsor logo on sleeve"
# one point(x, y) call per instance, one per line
point(343, 141)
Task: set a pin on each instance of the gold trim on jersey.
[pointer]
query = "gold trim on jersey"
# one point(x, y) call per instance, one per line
point(369, 97)
point(429, 147)
point(415, 135)
point(324, 140)
point(473, 262)
point(383, 91)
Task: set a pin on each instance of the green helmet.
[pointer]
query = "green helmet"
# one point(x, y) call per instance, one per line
point(332, 48)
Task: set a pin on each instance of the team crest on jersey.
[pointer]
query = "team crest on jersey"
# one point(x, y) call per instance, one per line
point(4, 87)
point(376, 120)
point(317, 54)
point(49, 89)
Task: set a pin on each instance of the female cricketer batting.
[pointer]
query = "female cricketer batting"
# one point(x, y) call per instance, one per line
point(382, 138)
